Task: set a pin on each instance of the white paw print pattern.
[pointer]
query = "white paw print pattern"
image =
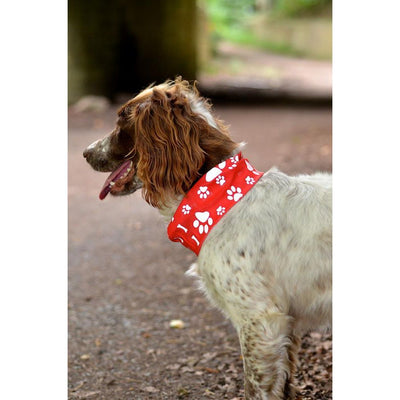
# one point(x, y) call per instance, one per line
point(234, 193)
point(250, 168)
point(234, 161)
point(203, 221)
point(220, 210)
point(220, 180)
point(186, 209)
point(203, 192)
point(249, 180)
point(222, 165)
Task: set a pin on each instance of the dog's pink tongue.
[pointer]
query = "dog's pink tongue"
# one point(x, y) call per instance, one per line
point(114, 176)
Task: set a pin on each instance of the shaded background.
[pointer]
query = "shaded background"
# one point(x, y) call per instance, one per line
point(122, 46)
point(266, 66)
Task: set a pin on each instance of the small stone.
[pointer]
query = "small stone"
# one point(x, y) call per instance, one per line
point(177, 324)
point(151, 389)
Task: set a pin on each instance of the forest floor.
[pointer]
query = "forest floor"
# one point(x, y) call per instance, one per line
point(127, 282)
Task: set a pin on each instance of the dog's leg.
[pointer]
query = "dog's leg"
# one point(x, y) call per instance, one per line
point(290, 391)
point(268, 349)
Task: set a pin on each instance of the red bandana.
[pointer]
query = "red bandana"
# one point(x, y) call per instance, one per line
point(213, 195)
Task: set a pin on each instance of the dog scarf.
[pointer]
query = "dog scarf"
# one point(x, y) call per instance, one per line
point(213, 195)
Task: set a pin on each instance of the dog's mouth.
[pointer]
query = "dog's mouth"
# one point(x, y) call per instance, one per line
point(117, 180)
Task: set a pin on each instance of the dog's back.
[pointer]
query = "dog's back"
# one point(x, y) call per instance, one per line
point(274, 245)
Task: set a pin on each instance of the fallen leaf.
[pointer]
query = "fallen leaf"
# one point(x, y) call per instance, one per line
point(211, 370)
point(86, 395)
point(173, 367)
point(182, 392)
point(198, 373)
point(78, 387)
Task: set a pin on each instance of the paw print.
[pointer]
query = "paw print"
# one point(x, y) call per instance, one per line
point(234, 193)
point(220, 210)
point(203, 192)
point(249, 180)
point(250, 168)
point(220, 180)
point(222, 165)
point(203, 221)
point(234, 161)
point(186, 209)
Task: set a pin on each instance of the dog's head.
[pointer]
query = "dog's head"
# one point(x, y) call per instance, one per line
point(164, 140)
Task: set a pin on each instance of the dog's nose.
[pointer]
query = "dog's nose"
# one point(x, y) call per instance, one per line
point(90, 148)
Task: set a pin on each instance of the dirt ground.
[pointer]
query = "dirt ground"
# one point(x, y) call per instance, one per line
point(127, 282)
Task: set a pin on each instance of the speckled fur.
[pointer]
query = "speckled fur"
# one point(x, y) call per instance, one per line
point(267, 266)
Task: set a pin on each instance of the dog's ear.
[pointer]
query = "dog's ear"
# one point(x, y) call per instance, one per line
point(168, 145)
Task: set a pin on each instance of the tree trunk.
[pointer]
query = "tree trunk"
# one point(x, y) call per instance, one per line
point(124, 45)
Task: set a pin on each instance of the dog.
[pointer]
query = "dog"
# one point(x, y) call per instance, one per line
point(266, 261)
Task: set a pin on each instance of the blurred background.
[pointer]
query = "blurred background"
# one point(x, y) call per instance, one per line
point(120, 47)
point(266, 66)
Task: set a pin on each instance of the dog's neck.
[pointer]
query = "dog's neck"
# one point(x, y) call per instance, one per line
point(167, 212)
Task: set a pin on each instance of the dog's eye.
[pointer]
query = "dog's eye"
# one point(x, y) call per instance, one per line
point(124, 138)
point(122, 134)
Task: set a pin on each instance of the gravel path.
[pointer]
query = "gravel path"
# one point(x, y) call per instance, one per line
point(126, 279)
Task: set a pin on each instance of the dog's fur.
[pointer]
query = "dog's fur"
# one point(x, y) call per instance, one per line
point(267, 263)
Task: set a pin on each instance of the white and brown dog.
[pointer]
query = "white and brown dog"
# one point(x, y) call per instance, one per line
point(264, 242)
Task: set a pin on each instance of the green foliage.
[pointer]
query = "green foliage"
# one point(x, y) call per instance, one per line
point(299, 8)
point(229, 12)
point(247, 38)
point(229, 19)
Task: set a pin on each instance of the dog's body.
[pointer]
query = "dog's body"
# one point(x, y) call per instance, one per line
point(267, 263)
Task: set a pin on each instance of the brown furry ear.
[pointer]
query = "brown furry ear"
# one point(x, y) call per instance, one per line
point(168, 144)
